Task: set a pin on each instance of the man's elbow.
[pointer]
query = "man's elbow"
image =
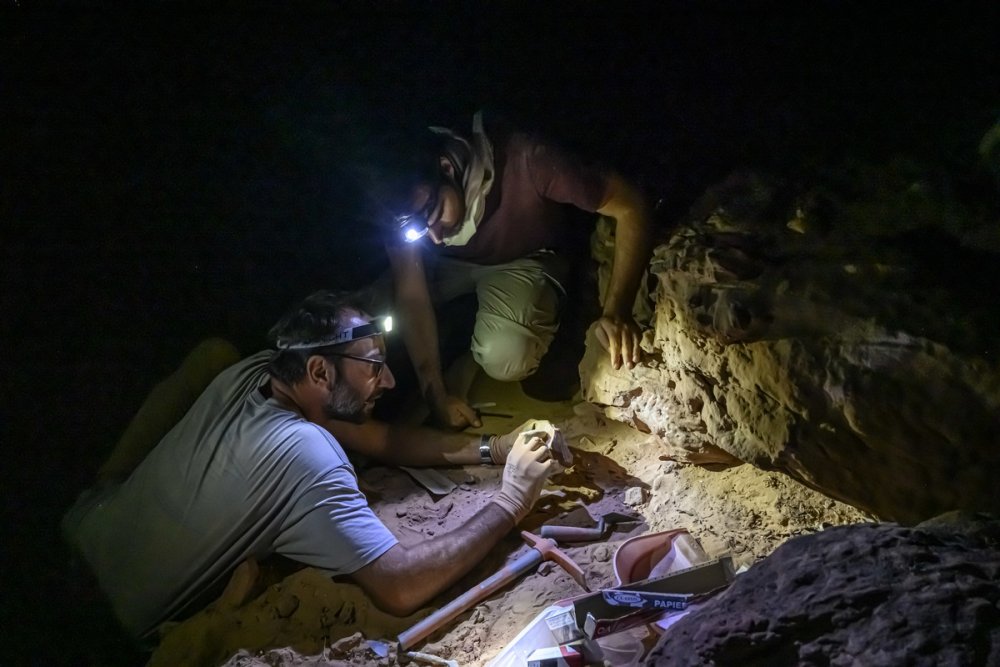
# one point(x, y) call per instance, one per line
point(625, 203)
point(389, 583)
point(396, 600)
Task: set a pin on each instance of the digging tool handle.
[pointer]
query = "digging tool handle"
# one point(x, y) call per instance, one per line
point(469, 599)
point(572, 533)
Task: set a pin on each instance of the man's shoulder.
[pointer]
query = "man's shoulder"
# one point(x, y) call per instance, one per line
point(516, 133)
point(308, 442)
point(247, 374)
point(511, 139)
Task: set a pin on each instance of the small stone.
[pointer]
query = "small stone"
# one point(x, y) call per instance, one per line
point(602, 553)
point(545, 569)
point(445, 508)
point(342, 647)
point(400, 511)
point(635, 495)
point(286, 606)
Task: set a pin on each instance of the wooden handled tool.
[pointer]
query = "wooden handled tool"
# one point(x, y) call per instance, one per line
point(541, 549)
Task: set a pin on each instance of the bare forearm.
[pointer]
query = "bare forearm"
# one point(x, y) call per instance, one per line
point(406, 445)
point(416, 315)
point(405, 578)
point(420, 335)
point(633, 234)
point(454, 554)
point(632, 251)
point(430, 447)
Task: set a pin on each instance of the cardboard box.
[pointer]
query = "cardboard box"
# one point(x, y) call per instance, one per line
point(556, 656)
point(595, 628)
point(618, 597)
point(598, 617)
point(562, 625)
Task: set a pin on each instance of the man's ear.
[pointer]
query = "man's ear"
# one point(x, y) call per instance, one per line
point(447, 168)
point(320, 370)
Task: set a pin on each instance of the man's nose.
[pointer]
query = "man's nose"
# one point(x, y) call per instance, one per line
point(387, 380)
point(432, 231)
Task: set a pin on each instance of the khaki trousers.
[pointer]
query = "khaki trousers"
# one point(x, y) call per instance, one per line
point(518, 313)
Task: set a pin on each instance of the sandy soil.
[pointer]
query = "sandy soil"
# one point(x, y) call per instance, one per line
point(308, 620)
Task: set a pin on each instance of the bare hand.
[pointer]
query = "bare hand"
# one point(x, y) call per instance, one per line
point(620, 336)
point(454, 413)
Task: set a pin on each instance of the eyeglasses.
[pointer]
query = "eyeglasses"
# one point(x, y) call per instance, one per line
point(377, 364)
point(414, 226)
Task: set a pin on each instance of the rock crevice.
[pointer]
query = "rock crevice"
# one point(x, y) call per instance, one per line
point(807, 338)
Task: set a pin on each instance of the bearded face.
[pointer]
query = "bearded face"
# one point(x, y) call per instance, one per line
point(346, 404)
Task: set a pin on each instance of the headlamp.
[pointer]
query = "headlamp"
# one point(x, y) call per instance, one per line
point(415, 226)
point(412, 227)
point(377, 327)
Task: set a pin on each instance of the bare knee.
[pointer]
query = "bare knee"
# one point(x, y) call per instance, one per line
point(508, 357)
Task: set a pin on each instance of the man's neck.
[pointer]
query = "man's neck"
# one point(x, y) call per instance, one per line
point(285, 396)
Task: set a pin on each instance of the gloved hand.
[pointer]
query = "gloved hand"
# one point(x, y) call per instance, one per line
point(524, 475)
point(500, 445)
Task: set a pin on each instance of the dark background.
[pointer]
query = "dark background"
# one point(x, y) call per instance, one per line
point(174, 173)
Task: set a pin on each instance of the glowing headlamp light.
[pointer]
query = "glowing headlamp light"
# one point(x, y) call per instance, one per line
point(414, 232)
point(377, 327)
point(415, 226)
point(412, 227)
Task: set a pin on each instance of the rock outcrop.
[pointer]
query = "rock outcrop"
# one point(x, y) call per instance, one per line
point(870, 594)
point(843, 335)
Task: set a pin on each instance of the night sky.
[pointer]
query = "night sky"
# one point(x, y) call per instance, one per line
point(172, 174)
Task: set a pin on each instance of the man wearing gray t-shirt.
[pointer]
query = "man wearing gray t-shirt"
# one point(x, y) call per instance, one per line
point(253, 469)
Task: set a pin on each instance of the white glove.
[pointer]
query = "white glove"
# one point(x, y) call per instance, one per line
point(524, 475)
point(500, 445)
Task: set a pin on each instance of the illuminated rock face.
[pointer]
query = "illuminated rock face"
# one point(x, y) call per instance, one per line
point(855, 360)
point(862, 595)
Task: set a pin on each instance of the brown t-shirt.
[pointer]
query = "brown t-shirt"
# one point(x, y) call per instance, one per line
point(526, 207)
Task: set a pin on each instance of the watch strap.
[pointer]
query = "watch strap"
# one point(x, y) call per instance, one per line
point(485, 455)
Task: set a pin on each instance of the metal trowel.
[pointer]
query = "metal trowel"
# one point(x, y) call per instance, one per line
point(580, 534)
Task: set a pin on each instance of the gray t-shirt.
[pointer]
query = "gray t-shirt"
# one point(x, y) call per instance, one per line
point(238, 476)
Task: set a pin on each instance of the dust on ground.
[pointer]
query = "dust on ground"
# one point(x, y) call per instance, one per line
point(307, 619)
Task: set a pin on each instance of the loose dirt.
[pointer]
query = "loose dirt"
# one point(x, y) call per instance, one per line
point(307, 619)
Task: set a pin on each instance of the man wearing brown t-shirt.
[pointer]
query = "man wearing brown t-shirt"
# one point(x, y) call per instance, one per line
point(493, 206)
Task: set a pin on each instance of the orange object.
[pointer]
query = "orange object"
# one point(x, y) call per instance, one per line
point(636, 557)
point(541, 549)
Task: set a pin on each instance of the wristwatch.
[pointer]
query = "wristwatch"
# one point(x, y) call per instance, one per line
point(485, 455)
